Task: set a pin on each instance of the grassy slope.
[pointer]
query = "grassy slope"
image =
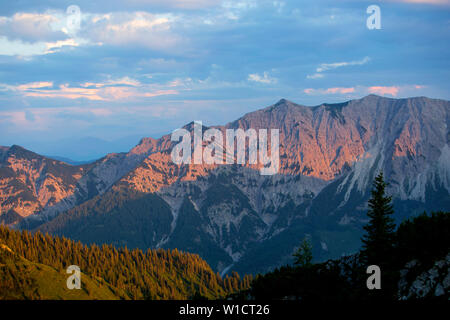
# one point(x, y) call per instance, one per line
point(29, 280)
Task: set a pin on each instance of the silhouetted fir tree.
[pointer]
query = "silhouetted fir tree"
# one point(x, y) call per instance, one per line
point(379, 239)
point(303, 255)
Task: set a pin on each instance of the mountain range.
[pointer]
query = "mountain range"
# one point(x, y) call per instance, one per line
point(233, 217)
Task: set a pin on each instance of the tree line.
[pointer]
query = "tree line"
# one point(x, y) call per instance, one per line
point(153, 274)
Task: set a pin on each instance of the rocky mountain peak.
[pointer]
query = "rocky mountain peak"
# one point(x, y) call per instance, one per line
point(144, 146)
point(20, 152)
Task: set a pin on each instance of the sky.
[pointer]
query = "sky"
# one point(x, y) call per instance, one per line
point(79, 79)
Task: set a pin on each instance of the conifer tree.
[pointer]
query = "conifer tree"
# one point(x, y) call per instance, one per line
point(303, 255)
point(379, 237)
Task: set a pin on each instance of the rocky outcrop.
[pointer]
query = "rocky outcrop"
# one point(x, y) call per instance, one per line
point(432, 283)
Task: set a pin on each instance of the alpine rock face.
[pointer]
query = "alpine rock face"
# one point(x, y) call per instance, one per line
point(231, 215)
point(35, 186)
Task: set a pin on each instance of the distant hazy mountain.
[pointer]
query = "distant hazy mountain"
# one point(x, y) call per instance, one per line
point(81, 148)
point(69, 161)
point(231, 215)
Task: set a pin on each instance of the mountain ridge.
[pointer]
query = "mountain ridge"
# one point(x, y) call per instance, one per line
point(328, 157)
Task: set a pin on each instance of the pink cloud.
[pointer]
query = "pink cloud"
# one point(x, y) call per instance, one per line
point(65, 92)
point(110, 90)
point(122, 81)
point(34, 85)
point(393, 91)
point(336, 90)
point(159, 93)
point(340, 90)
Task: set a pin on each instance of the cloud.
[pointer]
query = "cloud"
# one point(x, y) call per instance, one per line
point(393, 91)
point(29, 34)
point(329, 66)
point(64, 91)
point(32, 27)
point(52, 47)
point(336, 90)
point(159, 93)
point(235, 9)
point(153, 31)
point(121, 81)
point(17, 118)
point(34, 85)
point(19, 48)
point(315, 76)
point(439, 2)
point(261, 79)
point(97, 94)
point(110, 90)
point(180, 4)
point(43, 119)
point(340, 90)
